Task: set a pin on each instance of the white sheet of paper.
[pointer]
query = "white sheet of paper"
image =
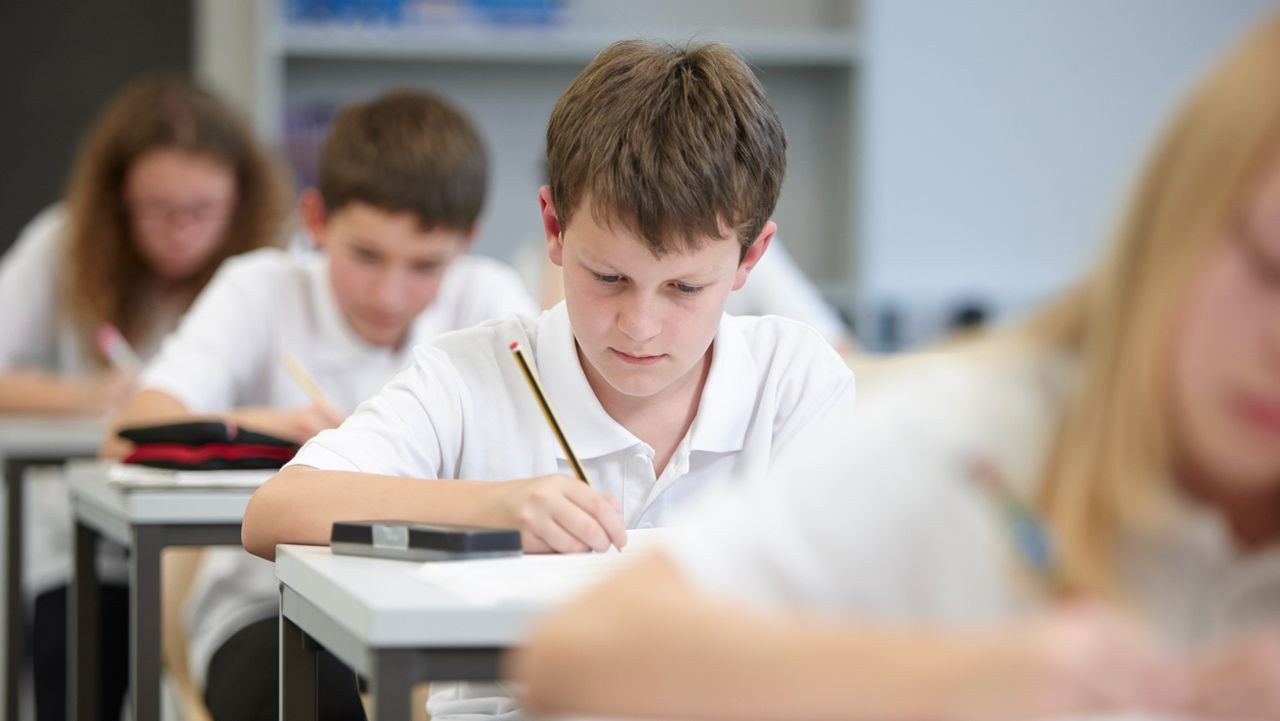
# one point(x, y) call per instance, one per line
point(541, 579)
point(131, 476)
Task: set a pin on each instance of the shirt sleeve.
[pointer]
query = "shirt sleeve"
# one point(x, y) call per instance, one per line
point(29, 299)
point(408, 429)
point(221, 346)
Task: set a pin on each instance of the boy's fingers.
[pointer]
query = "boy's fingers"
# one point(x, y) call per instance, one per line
point(557, 537)
point(583, 526)
point(604, 513)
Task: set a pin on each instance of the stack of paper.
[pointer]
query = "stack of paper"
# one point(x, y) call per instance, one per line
point(130, 476)
point(540, 579)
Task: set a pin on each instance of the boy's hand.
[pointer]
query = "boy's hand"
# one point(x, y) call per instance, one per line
point(1081, 659)
point(1239, 681)
point(295, 424)
point(559, 514)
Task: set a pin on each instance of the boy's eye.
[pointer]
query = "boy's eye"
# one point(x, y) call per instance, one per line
point(688, 289)
point(607, 279)
point(364, 256)
point(427, 268)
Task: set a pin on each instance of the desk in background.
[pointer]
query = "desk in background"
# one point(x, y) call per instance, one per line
point(144, 520)
point(27, 442)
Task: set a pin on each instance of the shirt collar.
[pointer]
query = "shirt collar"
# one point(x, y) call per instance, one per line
point(724, 411)
point(590, 430)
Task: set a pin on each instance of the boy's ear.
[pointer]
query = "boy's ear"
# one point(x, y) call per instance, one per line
point(551, 226)
point(755, 253)
point(314, 215)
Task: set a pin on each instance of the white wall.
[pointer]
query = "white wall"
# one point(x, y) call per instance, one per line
point(1000, 137)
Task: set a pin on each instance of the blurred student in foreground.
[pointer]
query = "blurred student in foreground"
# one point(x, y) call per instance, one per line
point(1139, 416)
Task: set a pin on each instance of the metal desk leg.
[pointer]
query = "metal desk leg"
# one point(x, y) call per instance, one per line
point(84, 632)
point(391, 686)
point(144, 617)
point(15, 635)
point(299, 673)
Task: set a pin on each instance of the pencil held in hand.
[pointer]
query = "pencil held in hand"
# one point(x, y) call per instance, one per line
point(304, 379)
point(1030, 536)
point(541, 397)
point(112, 344)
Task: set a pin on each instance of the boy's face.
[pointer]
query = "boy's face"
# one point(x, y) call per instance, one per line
point(383, 267)
point(643, 323)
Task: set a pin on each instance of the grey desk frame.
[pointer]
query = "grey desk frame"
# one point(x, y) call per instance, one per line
point(145, 522)
point(27, 442)
point(394, 629)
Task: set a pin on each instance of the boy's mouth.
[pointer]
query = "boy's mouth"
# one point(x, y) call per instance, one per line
point(640, 360)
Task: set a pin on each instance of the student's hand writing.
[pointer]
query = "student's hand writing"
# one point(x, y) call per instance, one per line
point(1081, 659)
point(561, 514)
point(295, 424)
point(1239, 681)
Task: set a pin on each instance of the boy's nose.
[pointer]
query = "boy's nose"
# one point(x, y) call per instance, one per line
point(638, 319)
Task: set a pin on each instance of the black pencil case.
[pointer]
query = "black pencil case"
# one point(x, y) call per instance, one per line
point(206, 445)
point(422, 541)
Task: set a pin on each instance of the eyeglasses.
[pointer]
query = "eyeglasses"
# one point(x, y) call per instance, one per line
point(156, 213)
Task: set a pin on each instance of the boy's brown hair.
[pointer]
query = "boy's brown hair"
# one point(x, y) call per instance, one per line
point(677, 143)
point(406, 151)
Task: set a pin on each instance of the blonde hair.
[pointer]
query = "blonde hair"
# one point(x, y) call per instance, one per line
point(1113, 449)
point(105, 272)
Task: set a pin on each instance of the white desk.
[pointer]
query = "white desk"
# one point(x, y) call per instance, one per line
point(145, 521)
point(393, 628)
point(26, 442)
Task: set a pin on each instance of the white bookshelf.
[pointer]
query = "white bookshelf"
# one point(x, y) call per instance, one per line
point(807, 53)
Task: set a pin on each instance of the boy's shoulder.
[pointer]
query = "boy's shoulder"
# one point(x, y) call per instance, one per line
point(777, 341)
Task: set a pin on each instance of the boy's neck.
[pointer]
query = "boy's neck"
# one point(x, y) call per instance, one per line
point(661, 420)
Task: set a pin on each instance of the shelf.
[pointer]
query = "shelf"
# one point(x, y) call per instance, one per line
point(817, 48)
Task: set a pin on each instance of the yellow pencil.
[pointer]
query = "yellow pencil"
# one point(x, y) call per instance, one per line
point(304, 379)
point(541, 397)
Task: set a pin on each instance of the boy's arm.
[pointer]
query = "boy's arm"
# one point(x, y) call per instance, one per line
point(554, 513)
point(687, 656)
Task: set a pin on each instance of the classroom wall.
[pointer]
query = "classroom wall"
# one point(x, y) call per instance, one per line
point(60, 60)
point(1000, 137)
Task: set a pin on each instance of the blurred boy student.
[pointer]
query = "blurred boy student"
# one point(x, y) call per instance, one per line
point(168, 184)
point(401, 183)
point(1140, 414)
point(665, 164)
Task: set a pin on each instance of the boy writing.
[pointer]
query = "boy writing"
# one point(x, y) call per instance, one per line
point(665, 165)
point(401, 183)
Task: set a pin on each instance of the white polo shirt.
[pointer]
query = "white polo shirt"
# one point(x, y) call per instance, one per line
point(227, 353)
point(877, 517)
point(463, 410)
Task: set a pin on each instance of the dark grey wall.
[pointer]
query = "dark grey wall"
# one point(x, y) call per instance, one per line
point(60, 60)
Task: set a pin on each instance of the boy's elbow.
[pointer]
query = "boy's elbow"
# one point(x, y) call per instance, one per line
point(256, 532)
